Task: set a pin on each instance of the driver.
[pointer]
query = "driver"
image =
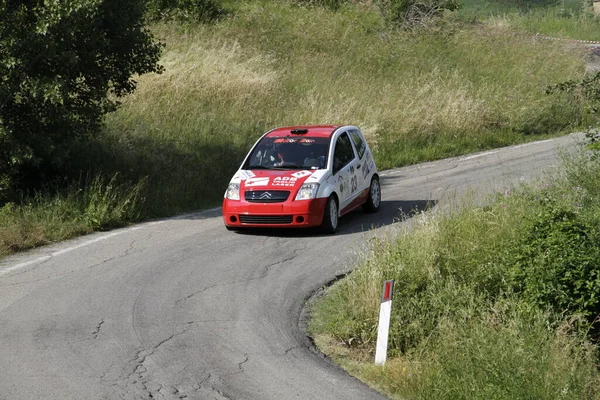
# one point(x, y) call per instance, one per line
point(285, 154)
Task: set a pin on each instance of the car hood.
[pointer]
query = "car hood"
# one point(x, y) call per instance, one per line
point(276, 179)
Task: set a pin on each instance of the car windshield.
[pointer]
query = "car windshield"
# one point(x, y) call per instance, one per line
point(289, 152)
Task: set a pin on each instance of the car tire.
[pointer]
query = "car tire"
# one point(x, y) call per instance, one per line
point(330, 216)
point(374, 199)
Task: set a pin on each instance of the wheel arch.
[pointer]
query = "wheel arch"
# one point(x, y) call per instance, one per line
point(327, 191)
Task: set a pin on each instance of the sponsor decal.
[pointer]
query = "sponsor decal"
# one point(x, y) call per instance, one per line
point(366, 170)
point(348, 184)
point(343, 184)
point(285, 140)
point(245, 174)
point(285, 181)
point(369, 164)
point(257, 182)
point(302, 174)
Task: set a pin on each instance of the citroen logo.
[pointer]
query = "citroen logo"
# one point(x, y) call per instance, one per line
point(265, 195)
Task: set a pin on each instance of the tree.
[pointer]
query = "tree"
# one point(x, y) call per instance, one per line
point(63, 65)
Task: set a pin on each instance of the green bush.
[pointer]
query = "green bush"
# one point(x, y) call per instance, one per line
point(557, 265)
point(593, 138)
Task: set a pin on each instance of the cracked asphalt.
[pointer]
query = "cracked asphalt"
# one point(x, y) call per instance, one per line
point(183, 309)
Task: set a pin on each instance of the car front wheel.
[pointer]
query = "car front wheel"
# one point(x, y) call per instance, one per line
point(374, 200)
point(330, 216)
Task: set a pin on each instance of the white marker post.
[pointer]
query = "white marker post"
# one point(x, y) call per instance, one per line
point(385, 312)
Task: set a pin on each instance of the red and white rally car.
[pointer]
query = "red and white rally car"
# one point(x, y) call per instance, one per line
point(303, 176)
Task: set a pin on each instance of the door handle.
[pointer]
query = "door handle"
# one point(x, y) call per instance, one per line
point(358, 166)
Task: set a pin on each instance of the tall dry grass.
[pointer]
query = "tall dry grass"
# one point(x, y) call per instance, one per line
point(417, 96)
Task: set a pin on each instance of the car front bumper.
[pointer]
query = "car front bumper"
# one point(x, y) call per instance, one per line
point(288, 214)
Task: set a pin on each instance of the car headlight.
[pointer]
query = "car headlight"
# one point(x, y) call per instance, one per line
point(233, 191)
point(307, 191)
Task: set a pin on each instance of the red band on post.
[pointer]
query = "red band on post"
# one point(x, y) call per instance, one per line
point(388, 289)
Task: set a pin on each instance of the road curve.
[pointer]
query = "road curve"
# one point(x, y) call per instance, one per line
point(182, 308)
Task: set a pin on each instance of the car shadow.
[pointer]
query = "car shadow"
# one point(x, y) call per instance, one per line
point(389, 213)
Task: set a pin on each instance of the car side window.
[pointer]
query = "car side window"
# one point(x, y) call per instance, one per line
point(343, 153)
point(359, 143)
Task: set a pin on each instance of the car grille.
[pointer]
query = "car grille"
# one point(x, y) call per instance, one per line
point(266, 219)
point(266, 196)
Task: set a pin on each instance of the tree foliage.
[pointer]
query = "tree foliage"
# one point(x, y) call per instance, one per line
point(63, 65)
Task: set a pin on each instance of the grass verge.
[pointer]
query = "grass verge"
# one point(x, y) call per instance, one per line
point(93, 204)
point(497, 301)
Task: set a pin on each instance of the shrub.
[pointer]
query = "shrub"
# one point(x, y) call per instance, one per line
point(557, 265)
point(593, 139)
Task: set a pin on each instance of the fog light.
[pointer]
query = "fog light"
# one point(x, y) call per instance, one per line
point(233, 218)
point(300, 219)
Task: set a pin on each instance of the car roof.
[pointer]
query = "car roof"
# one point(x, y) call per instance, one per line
point(324, 131)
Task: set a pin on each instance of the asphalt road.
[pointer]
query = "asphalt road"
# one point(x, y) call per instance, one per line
point(182, 308)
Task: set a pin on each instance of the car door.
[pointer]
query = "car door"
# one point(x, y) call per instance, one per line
point(362, 167)
point(345, 171)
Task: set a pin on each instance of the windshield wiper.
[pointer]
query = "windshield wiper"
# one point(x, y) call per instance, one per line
point(279, 167)
point(260, 167)
point(294, 166)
